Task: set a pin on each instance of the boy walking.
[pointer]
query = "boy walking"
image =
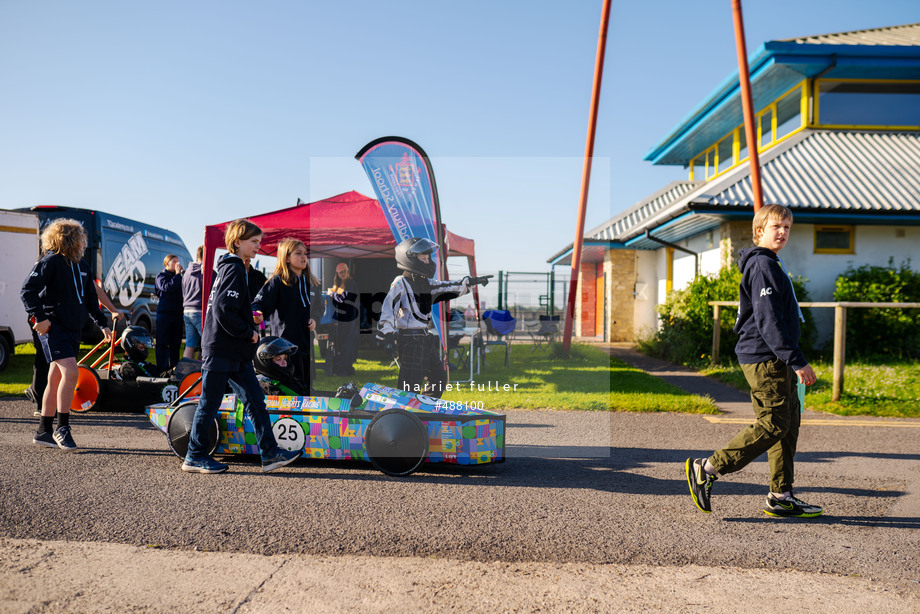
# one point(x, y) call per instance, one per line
point(228, 344)
point(768, 326)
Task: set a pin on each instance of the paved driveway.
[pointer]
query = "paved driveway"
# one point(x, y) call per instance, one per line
point(601, 494)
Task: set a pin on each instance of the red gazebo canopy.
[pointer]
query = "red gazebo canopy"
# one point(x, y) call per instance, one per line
point(349, 225)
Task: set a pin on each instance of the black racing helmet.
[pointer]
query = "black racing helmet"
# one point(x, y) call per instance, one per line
point(408, 251)
point(268, 348)
point(136, 342)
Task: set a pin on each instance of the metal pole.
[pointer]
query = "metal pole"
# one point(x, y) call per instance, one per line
point(500, 290)
point(747, 105)
point(586, 176)
point(552, 292)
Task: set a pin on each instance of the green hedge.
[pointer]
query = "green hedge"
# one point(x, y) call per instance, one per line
point(685, 335)
point(881, 332)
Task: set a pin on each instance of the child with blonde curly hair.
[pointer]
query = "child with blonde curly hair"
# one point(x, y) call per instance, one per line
point(59, 296)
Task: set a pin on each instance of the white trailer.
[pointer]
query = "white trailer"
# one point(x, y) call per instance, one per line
point(19, 249)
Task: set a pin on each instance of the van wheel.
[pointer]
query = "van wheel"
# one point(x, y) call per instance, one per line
point(6, 350)
point(143, 323)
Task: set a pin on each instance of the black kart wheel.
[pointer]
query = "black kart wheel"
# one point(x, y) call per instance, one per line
point(179, 429)
point(396, 442)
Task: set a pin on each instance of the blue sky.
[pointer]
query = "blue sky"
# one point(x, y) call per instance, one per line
point(183, 114)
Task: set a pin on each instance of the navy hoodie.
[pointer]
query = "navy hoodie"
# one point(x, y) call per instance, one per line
point(62, 291)
point(768, 317)
point(295, 304)
point(228, 324)
point(168, 287)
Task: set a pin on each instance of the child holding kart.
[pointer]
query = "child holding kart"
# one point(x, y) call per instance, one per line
point(768, 328)
point(59, 295)
point(405, 318)
point(228, 343)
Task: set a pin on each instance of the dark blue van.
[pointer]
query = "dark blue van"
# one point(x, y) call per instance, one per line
point(124, 255)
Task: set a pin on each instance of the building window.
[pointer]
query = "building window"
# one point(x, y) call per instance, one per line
point(834, 240)
point(777, 120)
point(869, 103)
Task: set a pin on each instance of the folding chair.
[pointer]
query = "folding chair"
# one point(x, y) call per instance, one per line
point(546, 333)
point(499, 324)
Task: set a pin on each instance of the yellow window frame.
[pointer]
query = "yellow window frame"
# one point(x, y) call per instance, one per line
point(817, 106)
point(709, 157)
point(838, 228)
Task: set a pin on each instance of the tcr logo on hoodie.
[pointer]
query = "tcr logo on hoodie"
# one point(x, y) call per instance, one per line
point(233, 293)
point(766, 291)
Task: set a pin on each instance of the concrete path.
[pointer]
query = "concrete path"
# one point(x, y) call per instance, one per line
point(589, 514)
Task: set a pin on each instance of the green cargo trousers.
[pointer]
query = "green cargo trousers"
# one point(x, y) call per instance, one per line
point(776, 431)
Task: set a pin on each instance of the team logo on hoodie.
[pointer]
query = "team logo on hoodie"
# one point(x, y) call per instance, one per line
point(766, 291)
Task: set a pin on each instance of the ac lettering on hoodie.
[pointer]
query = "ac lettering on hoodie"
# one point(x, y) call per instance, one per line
point(766, 291)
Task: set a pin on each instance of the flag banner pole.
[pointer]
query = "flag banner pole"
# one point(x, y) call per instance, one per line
point(403, 180)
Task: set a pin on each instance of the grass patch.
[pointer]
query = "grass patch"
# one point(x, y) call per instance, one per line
point(587, 380)
point(18, 373)
point(891, 389)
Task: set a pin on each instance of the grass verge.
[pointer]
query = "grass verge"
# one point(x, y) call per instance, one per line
point(589, 380)
point(870, 388)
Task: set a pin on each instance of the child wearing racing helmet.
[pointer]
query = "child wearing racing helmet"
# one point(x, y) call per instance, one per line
point(405, 317)
point(275, 368)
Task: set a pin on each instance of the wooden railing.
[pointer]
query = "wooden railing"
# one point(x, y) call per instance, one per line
point(840, 331)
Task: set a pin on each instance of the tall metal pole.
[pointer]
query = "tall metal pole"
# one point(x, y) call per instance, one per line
point(586, 177)
point(747, 104)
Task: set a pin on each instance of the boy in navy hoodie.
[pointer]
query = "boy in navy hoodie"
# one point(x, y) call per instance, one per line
point(228, 345)
point(768, 350)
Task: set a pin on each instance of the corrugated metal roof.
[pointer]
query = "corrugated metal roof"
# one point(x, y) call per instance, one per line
point(613, 229)
point(838, 171)
point(904, 35)
point(777, 66)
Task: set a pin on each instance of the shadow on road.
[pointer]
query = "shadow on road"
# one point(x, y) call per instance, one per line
point(862, 521)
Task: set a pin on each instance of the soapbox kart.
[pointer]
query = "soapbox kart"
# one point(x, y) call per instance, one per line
point(395, 430)
point(105, 382)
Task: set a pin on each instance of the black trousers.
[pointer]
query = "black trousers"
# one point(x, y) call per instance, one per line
point(420, 357)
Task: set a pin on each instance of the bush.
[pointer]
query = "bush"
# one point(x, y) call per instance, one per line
point(881, 332)
point(685, 335)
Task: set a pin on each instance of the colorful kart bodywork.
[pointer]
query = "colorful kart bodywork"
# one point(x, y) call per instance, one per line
point(393, 429)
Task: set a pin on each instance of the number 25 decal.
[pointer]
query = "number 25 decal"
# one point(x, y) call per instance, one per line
point(289, 434)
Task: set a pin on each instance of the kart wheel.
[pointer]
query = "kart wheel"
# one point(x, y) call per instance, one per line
point(88, 390)
point(179, 429)
point(193, 381)
point(396, 442)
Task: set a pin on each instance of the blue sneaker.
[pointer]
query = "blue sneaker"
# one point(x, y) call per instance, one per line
point(280, 459)
point(44, 438)
point(205, 465)
point(64, 439)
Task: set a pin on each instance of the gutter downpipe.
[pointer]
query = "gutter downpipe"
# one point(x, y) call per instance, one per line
point(586, 177)
point(696, 256)
point(747, 105)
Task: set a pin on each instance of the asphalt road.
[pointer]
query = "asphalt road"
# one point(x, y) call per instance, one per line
point(580, 492)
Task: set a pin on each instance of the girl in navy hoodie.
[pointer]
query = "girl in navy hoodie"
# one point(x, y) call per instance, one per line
point(293, 294)
point(228, 345)
point(59, 296)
